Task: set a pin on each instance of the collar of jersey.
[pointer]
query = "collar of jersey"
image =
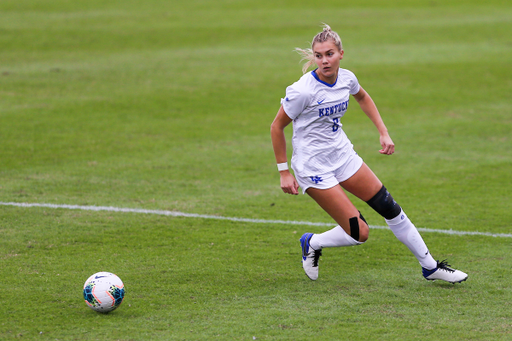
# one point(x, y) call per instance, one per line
point(321, 81)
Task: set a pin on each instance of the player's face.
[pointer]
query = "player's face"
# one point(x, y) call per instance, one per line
point(327, 58)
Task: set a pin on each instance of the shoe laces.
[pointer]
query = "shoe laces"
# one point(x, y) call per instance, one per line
point(443, 265)
point(316, 256)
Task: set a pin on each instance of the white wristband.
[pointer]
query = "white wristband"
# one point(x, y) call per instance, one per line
point(282, 166)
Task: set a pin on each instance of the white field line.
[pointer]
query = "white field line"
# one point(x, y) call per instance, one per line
point(245, 220)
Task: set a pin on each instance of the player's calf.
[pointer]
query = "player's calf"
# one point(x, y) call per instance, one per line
point(359, 229)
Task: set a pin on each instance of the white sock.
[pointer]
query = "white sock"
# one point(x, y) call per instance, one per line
point(332, 238)
point(407, 233)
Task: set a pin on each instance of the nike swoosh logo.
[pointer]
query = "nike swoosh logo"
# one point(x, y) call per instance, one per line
point(99, 277)
point(320, 102)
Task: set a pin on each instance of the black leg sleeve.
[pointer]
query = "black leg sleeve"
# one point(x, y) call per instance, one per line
point(384, 204)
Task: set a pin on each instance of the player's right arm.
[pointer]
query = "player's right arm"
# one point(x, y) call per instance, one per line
point(281, 121)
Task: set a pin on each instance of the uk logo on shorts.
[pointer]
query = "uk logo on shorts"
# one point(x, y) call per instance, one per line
point(316, 179)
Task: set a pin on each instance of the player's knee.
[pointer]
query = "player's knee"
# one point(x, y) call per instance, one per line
point(359, 229)
point(384, 204)
point(364, 233)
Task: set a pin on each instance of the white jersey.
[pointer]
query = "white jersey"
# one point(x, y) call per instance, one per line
point(316, 107)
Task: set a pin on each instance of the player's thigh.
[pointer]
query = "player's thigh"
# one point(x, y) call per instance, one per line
point(364, 184)
point(336, 203)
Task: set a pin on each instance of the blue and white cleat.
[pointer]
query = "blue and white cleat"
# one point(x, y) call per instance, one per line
point(445, 273)
point(309, 257)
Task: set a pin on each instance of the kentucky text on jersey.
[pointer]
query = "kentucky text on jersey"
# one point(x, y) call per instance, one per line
point(333, 110)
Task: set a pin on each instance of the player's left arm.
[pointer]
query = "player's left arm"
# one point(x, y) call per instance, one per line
point(370, 109)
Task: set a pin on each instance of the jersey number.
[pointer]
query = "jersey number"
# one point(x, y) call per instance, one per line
point(335, 124)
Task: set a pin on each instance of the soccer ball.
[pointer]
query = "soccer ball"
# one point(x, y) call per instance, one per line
point(103, 292)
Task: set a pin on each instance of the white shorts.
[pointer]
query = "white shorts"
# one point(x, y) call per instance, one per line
point(333, 178)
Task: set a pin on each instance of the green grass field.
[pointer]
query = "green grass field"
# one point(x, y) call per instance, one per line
point(167, 105)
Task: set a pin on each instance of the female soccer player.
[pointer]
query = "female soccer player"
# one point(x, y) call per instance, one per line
point(324, 161)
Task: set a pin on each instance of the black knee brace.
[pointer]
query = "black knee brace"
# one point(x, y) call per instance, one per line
point(354, 226)
point(384, 204)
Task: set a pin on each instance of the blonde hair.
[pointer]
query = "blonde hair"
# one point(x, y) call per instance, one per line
point(308, 54)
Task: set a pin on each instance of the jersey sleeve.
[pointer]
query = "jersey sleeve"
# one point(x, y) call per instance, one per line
point(295, 101)
point(354, 86)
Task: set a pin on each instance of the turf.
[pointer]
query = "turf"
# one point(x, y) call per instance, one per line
point(167, 106)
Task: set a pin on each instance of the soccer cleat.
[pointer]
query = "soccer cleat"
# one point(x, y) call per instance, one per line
point(445, 273)
point(309, 257)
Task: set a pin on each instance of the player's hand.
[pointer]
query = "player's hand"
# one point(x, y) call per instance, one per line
point(388, 147)
point(289, 183)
